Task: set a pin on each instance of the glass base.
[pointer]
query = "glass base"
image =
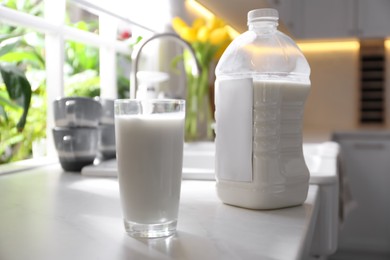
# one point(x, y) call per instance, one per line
point(138, 230)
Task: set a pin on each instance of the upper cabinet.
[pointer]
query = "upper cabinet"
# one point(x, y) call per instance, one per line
point(326, 19)
point(374, 18)
point(334, 18)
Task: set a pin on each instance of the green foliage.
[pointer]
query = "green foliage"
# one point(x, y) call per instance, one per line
point(83, 84)
point(82, 66)
point(33, 7)
point(18, 93)
point(81, 57)
point(123, 84)
point(23, 80)
point(19, 90)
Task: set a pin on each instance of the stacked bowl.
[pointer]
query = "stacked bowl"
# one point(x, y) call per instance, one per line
point(106, 145)
point(76, 131)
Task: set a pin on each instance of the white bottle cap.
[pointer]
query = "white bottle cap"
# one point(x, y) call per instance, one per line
point(263, 14)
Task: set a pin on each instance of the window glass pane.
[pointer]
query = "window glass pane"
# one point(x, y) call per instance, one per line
point(22, 54)
point(81, 70)
point(21, 57)
point(123, 75)
point(81, 19)
point(82, 73)
point(32, 7)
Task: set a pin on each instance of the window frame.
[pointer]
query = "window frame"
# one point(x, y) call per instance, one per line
point(52, 25)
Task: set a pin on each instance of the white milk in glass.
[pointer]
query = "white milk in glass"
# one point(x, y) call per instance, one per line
point(149, 155)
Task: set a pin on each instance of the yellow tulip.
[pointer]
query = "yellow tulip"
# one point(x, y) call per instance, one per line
point(203, 34)
point(198, 23)
point(179, 25)
point(188, 34)
point(219, 36)
point(215, 23)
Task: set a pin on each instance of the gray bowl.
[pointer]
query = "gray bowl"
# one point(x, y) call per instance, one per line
point(107, 116)
point(76, 147)
point(107, 141)
point(77, 112)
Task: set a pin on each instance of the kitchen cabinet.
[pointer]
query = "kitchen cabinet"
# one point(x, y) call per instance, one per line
point(365, 164)
point(288, 11)
point(373, 18)
point(307, 19)
point(327, 19)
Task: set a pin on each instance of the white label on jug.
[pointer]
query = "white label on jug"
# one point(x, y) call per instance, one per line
point(233, 116)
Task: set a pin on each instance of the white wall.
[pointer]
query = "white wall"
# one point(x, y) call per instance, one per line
point(333, 103)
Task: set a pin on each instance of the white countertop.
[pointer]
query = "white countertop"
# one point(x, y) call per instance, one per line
point(46, 213)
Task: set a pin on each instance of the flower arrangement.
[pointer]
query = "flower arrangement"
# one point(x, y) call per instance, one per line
point(209, 39)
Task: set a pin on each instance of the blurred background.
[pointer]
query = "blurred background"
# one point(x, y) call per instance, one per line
point(55, 48)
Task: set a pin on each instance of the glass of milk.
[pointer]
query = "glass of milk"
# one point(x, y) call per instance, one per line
point(149, 146)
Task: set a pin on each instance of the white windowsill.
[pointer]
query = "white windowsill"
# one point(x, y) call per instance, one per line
point(27, 164)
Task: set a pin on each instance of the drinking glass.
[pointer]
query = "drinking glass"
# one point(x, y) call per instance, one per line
point(149, 144)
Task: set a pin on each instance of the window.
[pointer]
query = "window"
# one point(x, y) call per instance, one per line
point(68, 45)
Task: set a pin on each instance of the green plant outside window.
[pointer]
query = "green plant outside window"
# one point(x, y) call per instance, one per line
point(23, 81)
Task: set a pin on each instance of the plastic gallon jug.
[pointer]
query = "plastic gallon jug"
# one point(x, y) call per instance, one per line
point(262, 83)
